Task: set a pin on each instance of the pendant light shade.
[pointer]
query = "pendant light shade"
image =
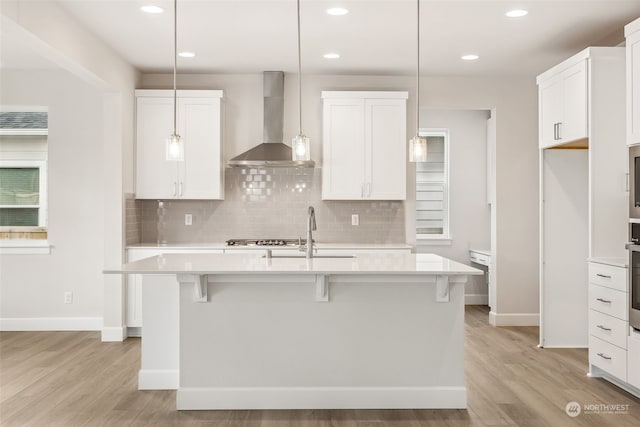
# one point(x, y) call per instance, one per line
point(300, 146)
point(418, 144)
point(175, 143)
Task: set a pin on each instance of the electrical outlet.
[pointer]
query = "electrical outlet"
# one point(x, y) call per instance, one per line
point(68, 297)
point(188, 219)
point(355, 219)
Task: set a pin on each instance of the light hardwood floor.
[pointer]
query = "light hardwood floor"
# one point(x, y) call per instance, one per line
point(72, 379)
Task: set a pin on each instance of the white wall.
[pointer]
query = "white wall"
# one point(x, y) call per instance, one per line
point(32, 286)
point(470, 216)
point(49, 30)
point(515, 102)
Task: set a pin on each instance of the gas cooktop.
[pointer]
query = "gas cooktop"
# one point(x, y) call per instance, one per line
point(266, 242)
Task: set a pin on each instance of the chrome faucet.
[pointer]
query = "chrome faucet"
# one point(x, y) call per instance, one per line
point(311, 226)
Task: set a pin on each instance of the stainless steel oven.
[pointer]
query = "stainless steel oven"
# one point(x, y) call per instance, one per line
point(634, 286)
point(634, 182)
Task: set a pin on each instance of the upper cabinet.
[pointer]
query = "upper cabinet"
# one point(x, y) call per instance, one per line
point(364, 145)
point(563, 104)
point(200, 174)
point(632, 33)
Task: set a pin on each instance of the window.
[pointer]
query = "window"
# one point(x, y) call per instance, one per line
point(23, 180)
point(432, 188)
point(23, 193)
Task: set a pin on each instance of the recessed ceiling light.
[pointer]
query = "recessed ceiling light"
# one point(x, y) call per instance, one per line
point(331, 55)
point(470, 57)
point(186, 54)
point(517, 13)
point(152, 9)
point(337, 11)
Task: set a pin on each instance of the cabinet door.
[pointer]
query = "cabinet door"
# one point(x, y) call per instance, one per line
point(574, 121)
point(550, 102)
point(156, 178)
point(385, 149)
point(633, 91)
point(201, 173)
point(343, 149)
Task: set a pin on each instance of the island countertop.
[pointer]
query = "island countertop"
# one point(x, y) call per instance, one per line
point(405, 264)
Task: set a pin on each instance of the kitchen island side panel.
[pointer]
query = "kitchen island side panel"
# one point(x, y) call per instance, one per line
point(381, 335)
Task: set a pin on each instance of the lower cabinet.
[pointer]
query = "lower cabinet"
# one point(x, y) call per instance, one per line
point(614, 349)
point(633, 359)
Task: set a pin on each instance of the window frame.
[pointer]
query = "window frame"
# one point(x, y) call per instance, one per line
point(42, 204)
point(445, 237)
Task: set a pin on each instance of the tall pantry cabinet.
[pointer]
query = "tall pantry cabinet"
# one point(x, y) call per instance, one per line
point(632, 34)
point(583, 198)
point(201, 174)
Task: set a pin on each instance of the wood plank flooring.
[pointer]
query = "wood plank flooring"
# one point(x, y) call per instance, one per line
point(72, 379)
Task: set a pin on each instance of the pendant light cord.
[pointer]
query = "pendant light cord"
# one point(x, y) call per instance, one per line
point(299, 75)
point(175, 62)
point(418, 73)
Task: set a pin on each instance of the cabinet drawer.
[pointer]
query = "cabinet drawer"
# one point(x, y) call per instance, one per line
point(608, 328)
point(608, 276)
point(608, 301)
point(608, 357)
point(479, 258)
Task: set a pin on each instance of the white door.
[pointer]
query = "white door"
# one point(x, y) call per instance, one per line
point(156, 178)
point(574, 122)
point(343, 149)
point(550, 112)
point(633, 94)
point(385, 149)
point(201, 172)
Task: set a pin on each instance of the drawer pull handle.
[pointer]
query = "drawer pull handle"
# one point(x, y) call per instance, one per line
point(604, 356)
point(604, 328)
point(604, 276)
point(606, 301)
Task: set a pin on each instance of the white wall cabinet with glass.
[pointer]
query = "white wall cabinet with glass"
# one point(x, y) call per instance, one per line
point(632, 34)
point(583, 199)
point(200, 174)
point(364, 145)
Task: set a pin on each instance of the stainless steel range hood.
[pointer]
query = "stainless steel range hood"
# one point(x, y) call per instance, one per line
point(272, 152)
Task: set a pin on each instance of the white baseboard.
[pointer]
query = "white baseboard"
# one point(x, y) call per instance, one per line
point(156, 379)
point(476, 299)
point(322, 398)
point(134, 331)
point(514, 319)
point(114, 333)
point(51, 324)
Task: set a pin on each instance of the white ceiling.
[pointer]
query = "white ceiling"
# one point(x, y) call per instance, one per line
point(376, 37)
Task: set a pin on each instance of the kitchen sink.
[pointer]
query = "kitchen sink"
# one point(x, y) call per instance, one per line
point(301, 256)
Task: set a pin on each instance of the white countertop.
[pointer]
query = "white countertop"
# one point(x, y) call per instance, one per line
point(406, 264)
point(615, 262)
point(486, 252)
point(223, 245)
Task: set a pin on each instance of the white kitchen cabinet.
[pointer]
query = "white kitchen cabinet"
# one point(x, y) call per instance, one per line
point(632, 34)
point(583, 201)
point(633, 359)
point(364, 145)
point(201, 174)
point(563, 104)
point(608, 320)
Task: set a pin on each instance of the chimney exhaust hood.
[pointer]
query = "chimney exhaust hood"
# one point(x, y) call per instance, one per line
point(272, 152)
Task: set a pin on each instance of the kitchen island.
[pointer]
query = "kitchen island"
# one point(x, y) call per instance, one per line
point(372, 331)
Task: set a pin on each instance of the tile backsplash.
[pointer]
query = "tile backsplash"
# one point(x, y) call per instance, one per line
point(268, 203)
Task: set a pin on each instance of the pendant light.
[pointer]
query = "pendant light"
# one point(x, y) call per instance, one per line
point(175, 144)
point(418, 144)
point(300, 149)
